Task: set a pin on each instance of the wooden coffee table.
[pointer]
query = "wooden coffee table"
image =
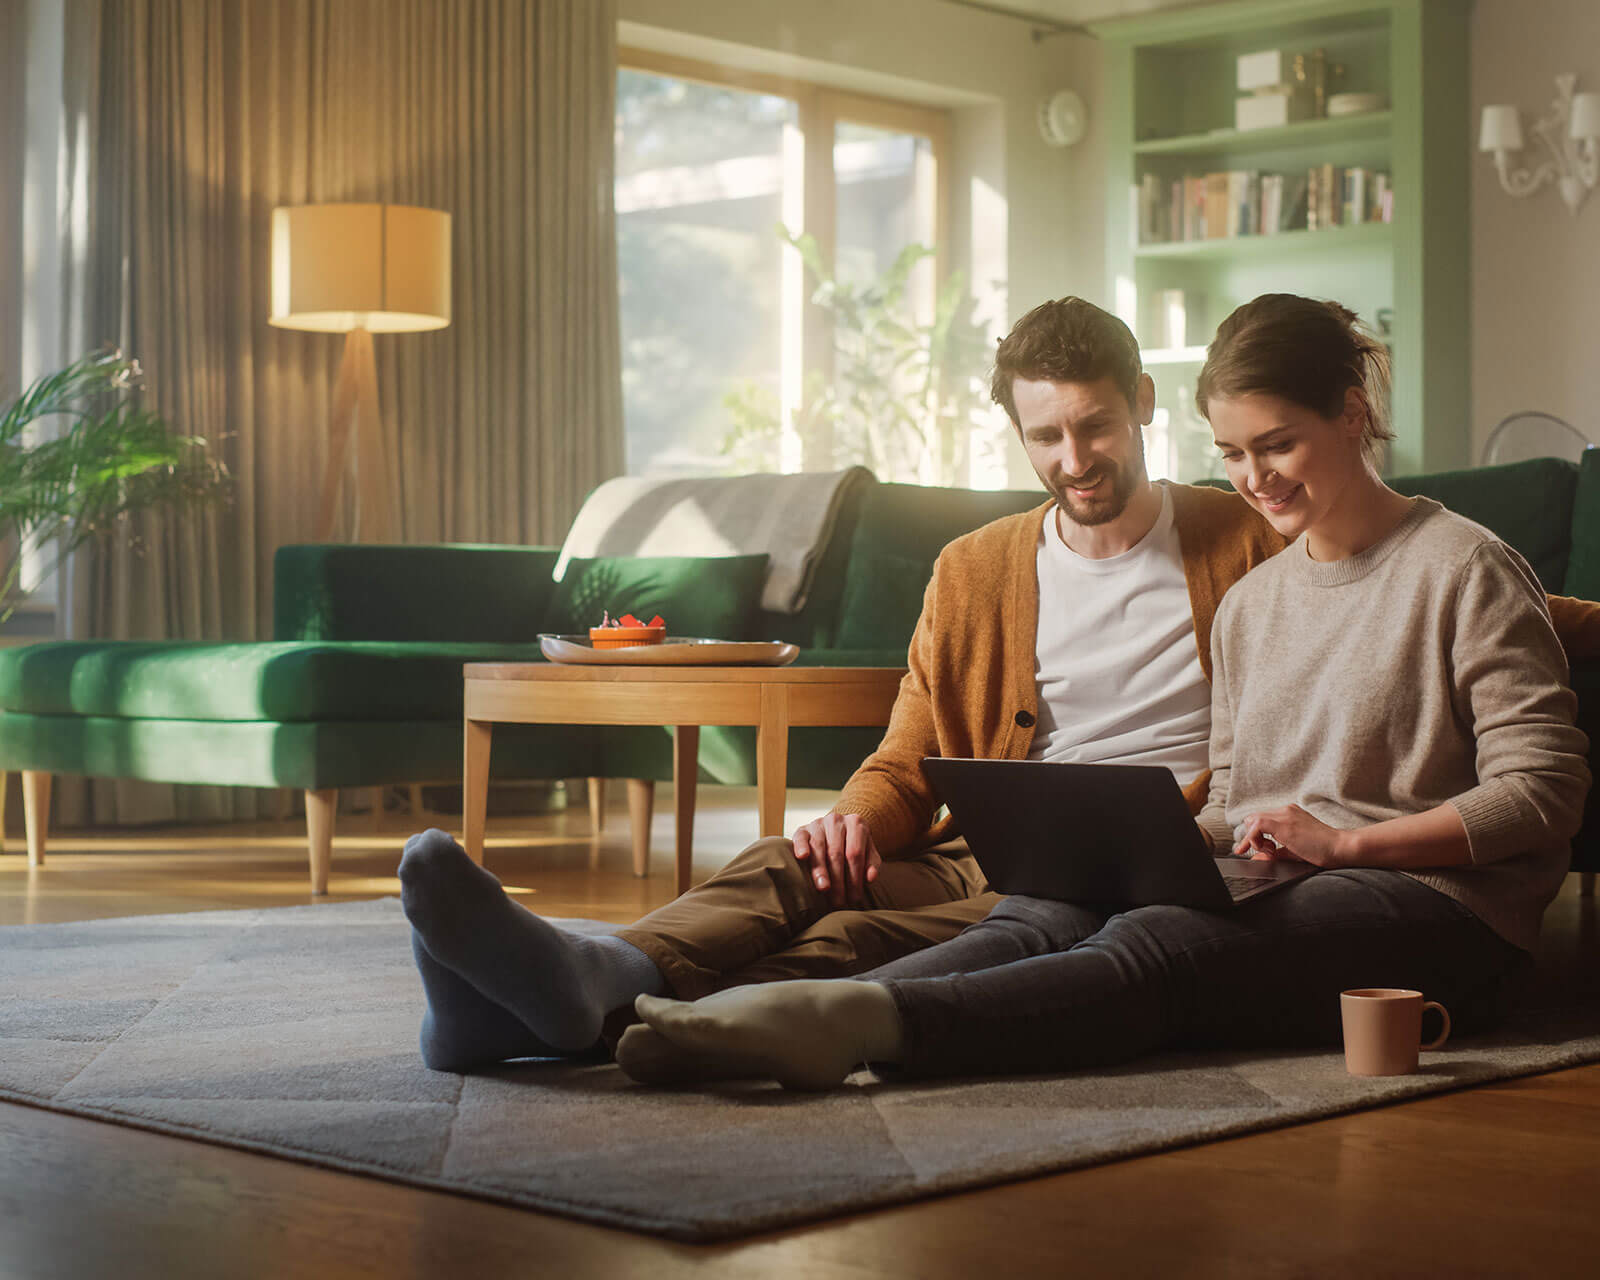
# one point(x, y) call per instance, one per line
point(684, 697)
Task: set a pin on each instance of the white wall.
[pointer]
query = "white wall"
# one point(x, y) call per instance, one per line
point(1535, 267)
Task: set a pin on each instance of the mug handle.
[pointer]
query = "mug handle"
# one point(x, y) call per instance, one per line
point(1445, 1015)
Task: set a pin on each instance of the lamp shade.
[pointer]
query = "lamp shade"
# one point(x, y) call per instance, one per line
point(380, 267)
point(1501, 129)
point(1585, 116)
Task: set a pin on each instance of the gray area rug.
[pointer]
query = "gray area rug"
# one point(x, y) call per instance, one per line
point(293, 1032)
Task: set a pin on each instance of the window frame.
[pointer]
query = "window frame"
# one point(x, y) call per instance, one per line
point(808, 328)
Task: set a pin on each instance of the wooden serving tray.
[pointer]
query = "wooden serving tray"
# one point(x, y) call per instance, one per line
point(674, 651)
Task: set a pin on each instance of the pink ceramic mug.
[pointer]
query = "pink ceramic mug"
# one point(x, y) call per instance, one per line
point(1383, 1030)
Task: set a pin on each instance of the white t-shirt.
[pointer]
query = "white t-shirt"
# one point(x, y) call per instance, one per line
point(1116, 664)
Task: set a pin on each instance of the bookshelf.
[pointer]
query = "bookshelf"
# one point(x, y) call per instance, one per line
point(1169, 116)
point(1285, 244)
point(1232, 142)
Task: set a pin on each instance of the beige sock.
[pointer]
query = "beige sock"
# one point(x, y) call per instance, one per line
point(805, 1035)
point(647, 1056)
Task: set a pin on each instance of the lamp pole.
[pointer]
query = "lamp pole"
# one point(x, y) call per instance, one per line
point(355, 412)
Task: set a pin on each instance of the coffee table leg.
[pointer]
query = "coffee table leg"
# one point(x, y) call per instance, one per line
point(641, 808)
point(685, 779)
point(772, 758)
point(475, 786)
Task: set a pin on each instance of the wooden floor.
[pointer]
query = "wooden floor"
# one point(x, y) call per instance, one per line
point(1498, 1181)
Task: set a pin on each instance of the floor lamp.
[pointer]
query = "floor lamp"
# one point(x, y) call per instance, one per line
point(359, 269)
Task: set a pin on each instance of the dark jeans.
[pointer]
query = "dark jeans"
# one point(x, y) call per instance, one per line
point(1041, 985)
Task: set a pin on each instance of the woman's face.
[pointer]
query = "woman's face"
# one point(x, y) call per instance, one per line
point(1290, 463)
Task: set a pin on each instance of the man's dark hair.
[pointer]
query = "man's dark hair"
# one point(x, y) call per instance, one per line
point(1068, 340)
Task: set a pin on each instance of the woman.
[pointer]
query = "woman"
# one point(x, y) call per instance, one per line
point(1389, 704)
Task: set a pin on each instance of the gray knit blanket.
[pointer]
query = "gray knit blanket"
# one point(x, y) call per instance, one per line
point(789, 517)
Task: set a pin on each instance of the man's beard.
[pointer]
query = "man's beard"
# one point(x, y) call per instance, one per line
point(1103, 508)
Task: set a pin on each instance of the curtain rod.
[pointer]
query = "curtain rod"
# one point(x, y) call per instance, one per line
point(1042, 28)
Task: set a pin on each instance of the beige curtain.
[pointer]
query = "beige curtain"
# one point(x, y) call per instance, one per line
point(187, 121)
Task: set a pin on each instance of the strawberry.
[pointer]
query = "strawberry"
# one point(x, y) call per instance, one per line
point(657, 621)
point(628, 620)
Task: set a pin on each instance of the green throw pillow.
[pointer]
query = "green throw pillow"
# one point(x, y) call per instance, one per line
point(712, 596)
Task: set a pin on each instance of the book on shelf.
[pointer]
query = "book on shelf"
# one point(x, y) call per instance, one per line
point(1248, 202)
point(1296, 201)
point(1214, 204)
point(1355, 195)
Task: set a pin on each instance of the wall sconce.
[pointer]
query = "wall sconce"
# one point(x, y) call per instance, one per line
point(1570, 132)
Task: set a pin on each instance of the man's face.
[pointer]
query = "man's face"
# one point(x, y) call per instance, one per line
point(1085, 443)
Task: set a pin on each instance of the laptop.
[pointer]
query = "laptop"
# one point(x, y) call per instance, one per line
point(1109, 835)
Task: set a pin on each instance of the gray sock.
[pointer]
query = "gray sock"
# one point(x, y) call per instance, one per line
point(462, 1027)
point(559, 985)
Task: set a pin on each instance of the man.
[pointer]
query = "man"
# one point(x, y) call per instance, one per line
point(1077, 631)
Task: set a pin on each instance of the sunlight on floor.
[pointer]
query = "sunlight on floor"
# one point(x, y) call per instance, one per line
point(554, 858)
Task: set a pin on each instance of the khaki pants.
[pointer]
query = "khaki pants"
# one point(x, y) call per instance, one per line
point(761, 919)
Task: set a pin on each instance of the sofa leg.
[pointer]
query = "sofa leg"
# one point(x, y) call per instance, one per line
point(36, 812)
point(1586, 884)
point(641, 806)
point(414, 798)
point(320, 808)
point(597, 806)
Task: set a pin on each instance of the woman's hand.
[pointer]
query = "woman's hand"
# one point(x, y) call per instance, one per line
point(1293, 834)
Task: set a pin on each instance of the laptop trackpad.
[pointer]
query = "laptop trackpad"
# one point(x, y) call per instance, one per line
point(1246, 877)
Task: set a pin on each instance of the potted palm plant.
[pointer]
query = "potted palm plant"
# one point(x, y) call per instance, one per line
point(108, 458)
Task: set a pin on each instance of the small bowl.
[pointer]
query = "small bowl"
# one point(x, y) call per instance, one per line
point(1355, 104)
point(625, 637)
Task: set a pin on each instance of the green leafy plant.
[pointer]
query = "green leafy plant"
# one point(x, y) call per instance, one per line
point(907, 398)
point(108, 458)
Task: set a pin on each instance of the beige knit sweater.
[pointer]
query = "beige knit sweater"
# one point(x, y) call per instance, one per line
point(1423, 671)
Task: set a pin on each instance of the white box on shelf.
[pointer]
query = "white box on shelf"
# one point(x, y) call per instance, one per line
point(1262, 70)
point(1263, 111)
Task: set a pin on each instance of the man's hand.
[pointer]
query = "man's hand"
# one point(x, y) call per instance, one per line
point(844, 861)
point(1292, 834)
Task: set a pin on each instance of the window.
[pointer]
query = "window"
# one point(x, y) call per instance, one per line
point(699, 191)
point(728, 363)
point(885, 199)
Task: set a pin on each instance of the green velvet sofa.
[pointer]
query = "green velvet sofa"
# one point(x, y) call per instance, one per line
point(361, 685)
